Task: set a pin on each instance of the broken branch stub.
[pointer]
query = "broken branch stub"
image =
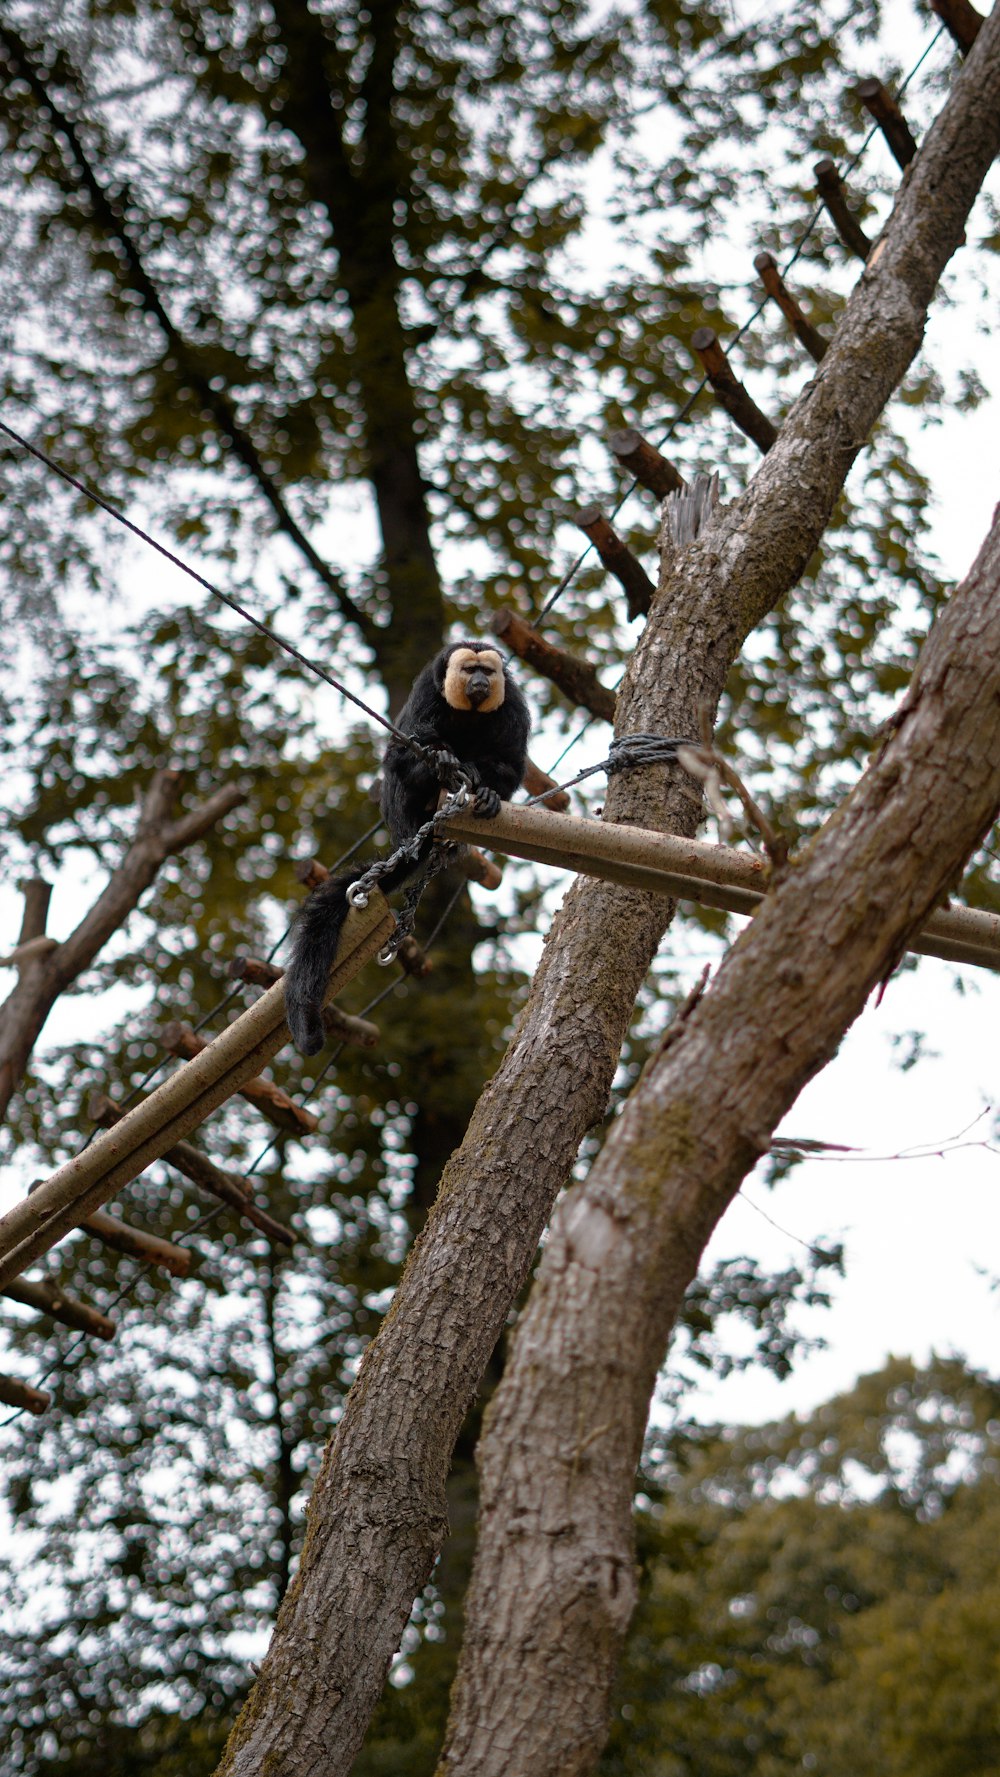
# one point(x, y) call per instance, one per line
point(731, 393)
point(833, 196)
point(880, 105)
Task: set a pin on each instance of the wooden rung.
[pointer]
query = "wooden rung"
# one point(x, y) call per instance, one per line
point(576, 678)
point(190, 1095)
point(123, 1238)
point(689, 869)
point(740, 406)
point(45, 1297)
point(834, 198)
point(618, 559)
point(962, 20)
point(538, 783)
point(645, 463)
point(264, 1095)
point(229, 1187)
point(254, 971)
point(766, 267)
point(883, 108)
point(14, 1393)
point(412, 959)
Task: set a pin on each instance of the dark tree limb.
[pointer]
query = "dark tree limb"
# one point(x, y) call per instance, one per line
point(14, 1393)
point(618, 559)
point(880, 105)
point(46, 1297)
point(121, 1237)
point(962, 19)
point(42, 978)
point(538, 783)
point(645, 462)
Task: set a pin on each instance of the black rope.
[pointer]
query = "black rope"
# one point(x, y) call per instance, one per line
point(624, 754)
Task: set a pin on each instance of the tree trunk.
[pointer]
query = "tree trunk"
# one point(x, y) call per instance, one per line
point(554, 1583)
point(377, 1514)
point(360, 192)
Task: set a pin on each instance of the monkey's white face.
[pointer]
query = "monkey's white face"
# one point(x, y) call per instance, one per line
point(474, 680)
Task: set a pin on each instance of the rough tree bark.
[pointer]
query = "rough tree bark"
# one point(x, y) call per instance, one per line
point(554, 1581)
point(377, 1514)
point(46, 971)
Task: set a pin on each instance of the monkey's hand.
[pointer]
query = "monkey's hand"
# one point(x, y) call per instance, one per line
point(448, 767)
point(485, 803)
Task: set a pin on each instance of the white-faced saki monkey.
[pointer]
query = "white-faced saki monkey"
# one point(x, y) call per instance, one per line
point(465, 706)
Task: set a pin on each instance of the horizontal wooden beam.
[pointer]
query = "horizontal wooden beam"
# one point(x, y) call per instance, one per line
point(66, 1199)
point(691, 870)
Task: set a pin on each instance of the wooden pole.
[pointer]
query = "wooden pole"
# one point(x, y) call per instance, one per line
point(121, 1237)
point(618, 559)
point(14, 1393)
point(576, 678)
point(264, 1095)
point(45, 1297)
point(175, 1108)
point(229, 1187)
point(962, 20)
point(645, 462)
point(691, 870)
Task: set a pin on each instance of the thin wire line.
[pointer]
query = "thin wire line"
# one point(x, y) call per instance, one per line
point(216, 591)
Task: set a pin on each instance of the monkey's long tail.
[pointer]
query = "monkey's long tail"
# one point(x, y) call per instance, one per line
point(314, 946)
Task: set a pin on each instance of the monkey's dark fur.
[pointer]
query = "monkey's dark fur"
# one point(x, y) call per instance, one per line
point(464, 703)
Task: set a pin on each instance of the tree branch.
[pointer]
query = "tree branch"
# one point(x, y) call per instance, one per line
point(43, 977)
